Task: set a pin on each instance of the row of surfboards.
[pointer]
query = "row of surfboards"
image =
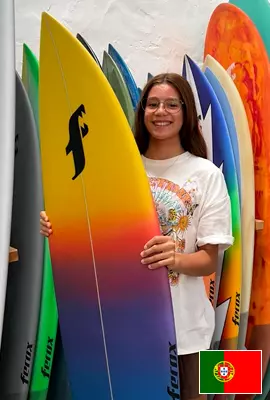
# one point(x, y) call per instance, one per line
point(241, 47)
point(108, 318)
point(79, 113)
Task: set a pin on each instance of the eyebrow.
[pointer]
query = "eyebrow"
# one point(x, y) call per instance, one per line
point(167, 98)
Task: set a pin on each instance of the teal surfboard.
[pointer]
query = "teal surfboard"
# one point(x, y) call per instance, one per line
point(259, 12)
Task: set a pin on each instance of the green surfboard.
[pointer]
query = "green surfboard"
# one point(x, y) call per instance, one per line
point(48, 318)
point(114, 76)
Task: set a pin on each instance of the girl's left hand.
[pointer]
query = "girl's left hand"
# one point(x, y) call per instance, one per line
point(159, 252)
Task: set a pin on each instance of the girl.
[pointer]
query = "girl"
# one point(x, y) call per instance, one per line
point(194, 212)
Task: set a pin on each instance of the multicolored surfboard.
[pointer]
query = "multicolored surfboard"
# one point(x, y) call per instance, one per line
point(220, 151)
point(7, 137)
point(48, 317)
point(115, 315)
point(235, 42)
point(119, 86)
point(130, 82)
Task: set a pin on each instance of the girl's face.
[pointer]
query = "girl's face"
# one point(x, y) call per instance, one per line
point(163, 116)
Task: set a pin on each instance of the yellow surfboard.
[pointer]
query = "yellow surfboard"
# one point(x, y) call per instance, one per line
point(112, 309)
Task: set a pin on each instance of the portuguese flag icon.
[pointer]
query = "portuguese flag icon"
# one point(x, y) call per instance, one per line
point(231, 371)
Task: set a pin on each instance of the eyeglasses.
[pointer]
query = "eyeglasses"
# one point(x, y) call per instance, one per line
point(170, 105)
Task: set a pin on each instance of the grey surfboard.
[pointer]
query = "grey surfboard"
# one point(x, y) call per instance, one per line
point(7, 139)
point(25, 276)
point(88, 48)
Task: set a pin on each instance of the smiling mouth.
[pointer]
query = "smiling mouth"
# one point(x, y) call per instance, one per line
point(162, 123)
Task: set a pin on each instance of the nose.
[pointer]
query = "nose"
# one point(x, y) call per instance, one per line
point(161, 109)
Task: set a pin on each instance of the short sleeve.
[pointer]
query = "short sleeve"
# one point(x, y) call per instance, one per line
point(215, 222)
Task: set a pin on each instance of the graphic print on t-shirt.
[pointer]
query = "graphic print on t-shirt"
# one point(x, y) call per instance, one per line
point(175, 207)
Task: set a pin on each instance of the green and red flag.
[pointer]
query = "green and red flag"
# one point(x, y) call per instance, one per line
point(231, 371)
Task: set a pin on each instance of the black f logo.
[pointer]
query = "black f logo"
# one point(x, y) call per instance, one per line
point(75, 145)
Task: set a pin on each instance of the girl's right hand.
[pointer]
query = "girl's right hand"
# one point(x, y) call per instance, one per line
point(45, 225)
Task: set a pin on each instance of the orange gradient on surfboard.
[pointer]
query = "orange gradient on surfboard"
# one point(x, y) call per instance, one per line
point(98, 198)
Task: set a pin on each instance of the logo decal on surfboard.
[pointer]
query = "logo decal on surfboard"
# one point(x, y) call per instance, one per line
point(75, 145)
point(236, 318)
point(45, 370)
point(27, 364)
point(173, 390)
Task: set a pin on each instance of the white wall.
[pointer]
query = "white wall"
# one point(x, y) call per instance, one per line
point(151, 35)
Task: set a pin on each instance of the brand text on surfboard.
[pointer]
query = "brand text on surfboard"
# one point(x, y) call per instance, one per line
point(236, 317)
point(45, 370)
point(173, 389)
point(76, 134)
point(212, 290)
point(26, 369)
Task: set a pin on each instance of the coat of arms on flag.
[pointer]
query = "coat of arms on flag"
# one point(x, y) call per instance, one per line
point(224, 371)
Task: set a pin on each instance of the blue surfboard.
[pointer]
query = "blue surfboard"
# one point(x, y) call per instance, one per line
point(127, 75)
point(216, 134)
point(228, 115)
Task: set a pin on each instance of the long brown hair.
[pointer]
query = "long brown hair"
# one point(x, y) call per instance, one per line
point(190, 135)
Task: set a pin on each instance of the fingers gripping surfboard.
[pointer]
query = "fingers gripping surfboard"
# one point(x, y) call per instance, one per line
point(115, 315)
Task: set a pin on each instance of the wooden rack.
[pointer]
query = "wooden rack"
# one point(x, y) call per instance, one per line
point(13, 254)
point(259, 225)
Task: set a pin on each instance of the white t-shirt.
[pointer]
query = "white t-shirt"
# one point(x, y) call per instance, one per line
point(193, 206)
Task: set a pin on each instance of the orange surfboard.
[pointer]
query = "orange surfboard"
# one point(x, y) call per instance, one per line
point(233, 40)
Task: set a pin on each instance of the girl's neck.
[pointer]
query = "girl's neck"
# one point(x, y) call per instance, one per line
point(162, 150)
